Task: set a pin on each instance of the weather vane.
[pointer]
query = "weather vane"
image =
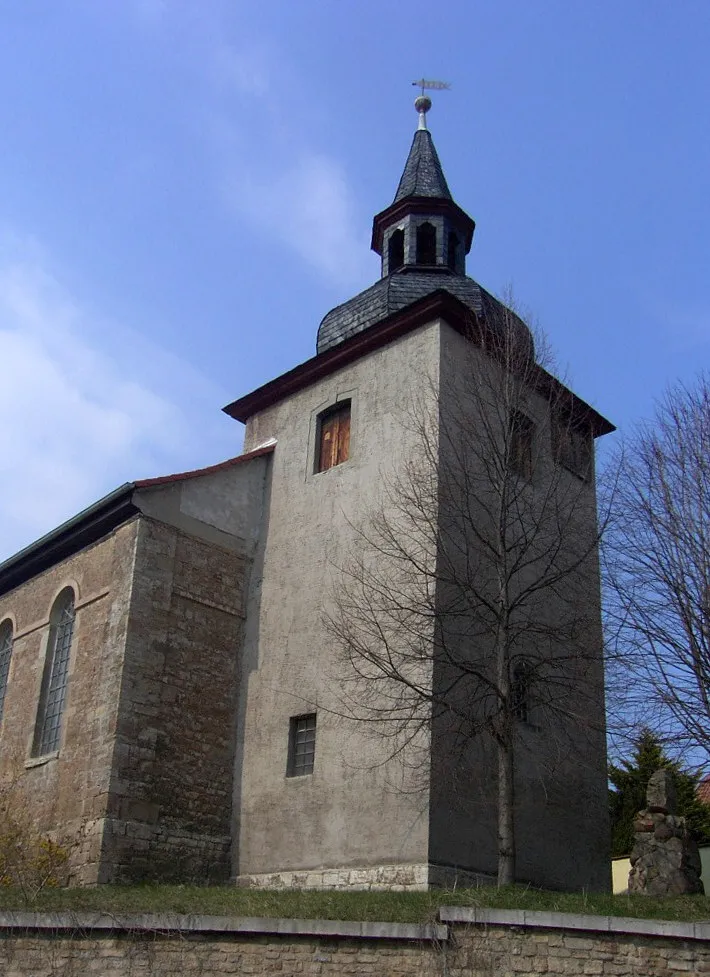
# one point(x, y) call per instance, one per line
point(422, 103)
point(433, 86)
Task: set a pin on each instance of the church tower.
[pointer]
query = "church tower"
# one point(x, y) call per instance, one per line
point(321, 798)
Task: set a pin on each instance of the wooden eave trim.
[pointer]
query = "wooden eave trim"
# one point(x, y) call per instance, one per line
point(580, 412)
point(438, 304)
point(421, 205)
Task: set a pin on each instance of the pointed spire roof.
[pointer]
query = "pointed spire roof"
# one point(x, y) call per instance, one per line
point(423, 175)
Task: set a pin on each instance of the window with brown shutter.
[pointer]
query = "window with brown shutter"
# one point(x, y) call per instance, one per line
point(333, 436)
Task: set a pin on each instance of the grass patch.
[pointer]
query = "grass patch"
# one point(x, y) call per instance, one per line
point(405, 907)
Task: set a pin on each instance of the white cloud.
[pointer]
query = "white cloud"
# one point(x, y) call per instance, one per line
point(74, 421)
point(269, 141)
point(274, 173)
point(308, 207)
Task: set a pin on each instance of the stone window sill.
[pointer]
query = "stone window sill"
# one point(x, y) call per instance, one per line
point(38, 761)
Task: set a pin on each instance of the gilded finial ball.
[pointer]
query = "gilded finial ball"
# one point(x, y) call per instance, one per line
point(422, 103)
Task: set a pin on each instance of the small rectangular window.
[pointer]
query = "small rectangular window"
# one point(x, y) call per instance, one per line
point(520, 692)
point(301, 745)
point(333, 446)
point(521, 444)
point(572, 447)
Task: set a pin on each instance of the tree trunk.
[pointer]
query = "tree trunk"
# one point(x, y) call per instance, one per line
point(506, 805)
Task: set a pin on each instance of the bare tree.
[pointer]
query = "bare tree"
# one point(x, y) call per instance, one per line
point(469, 606)
point(657, 567)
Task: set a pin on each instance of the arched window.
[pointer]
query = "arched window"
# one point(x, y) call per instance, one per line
point(452, 257)
point(426, 244)
point(5, 655)
point(54, 678)
point(395, 251)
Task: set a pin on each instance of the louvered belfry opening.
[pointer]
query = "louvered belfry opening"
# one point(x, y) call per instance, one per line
point(426, 244)
point(395, 251)
point(452, 257)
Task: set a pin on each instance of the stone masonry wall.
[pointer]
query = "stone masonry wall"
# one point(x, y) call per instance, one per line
point(170, 808)
point(66, 792)
point(62, 945)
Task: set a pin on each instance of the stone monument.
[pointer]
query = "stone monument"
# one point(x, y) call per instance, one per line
point(665, 860)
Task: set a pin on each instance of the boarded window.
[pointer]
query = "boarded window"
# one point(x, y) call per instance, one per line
point(521, 445)
point(5, 655)
point(426, 244)
point(395, 251)
point(333, 436)
point(54, 677)
point(301, 745)
point(572, 447)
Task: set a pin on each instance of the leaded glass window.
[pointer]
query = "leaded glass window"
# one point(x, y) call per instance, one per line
point(5, 655)
point(54, 679)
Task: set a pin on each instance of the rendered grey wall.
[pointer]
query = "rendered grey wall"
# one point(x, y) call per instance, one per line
point(352, 809)
point(561, 812)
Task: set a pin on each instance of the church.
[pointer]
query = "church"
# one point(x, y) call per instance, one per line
point(168, 681)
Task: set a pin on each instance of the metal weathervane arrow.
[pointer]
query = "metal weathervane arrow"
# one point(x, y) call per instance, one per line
point(422, 103)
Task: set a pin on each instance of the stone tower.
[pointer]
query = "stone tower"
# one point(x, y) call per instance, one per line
point(317, 801)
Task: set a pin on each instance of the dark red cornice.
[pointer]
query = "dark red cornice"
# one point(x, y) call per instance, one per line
point(438, 304)
point(210, 470)
point(421, 205)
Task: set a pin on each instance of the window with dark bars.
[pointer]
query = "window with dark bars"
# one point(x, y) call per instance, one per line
point(54, 680)
point(301, 745)
point(5, 654)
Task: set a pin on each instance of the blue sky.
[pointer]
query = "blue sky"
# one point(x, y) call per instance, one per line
point(187, 186)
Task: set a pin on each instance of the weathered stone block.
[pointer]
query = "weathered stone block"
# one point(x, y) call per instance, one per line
point(665, 859)
point(661, 792)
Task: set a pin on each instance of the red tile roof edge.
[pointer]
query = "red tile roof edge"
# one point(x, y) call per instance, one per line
point(221, 466)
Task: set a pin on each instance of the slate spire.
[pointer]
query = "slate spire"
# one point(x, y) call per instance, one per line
point(423, 238)
point(423, 229)
point(423, 175)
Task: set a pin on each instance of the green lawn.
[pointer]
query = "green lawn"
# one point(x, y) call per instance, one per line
point(392, 906)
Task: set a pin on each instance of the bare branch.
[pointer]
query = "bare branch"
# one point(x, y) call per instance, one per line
point(469, 604)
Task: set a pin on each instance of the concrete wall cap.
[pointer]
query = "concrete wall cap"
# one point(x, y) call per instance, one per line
point(576, 921)
point(167, 923)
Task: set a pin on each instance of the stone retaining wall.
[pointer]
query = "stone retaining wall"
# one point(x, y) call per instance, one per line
point(465, 943)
